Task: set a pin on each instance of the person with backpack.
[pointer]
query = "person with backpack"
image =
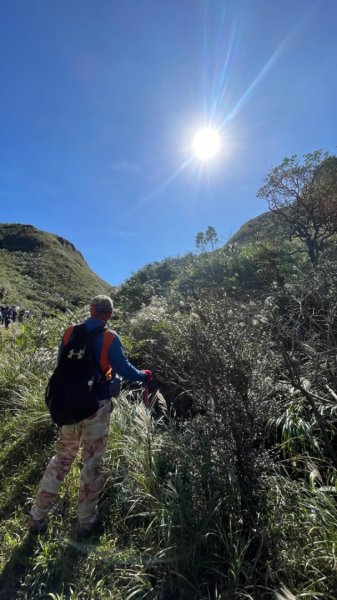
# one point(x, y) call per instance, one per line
point(91, 358)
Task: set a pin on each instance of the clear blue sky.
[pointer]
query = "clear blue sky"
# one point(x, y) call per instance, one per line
point(100, 100)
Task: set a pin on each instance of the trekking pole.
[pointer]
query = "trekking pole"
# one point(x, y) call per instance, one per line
point(146, 394)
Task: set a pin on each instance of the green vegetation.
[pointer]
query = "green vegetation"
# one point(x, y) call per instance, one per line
point(42, 271)
point(303, 198)
point(226, 487)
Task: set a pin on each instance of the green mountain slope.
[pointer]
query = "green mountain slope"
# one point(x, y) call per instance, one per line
point(265, 225)
point(40, 270)
point(237, 262)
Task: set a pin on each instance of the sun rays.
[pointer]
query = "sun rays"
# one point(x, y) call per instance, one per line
point(207, 144)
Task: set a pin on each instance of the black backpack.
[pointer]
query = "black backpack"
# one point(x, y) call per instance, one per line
point(71, 394)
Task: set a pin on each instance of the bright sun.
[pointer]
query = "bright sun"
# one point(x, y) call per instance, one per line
point(206, 143)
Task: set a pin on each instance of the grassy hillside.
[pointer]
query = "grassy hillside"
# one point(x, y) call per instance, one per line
point(265, 225)
point(224, 488)
point(249, 262)
point(40, 270)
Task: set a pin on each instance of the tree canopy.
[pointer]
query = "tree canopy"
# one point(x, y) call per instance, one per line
point(303, 196)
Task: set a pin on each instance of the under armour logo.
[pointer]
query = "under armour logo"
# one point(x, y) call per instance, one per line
point(73, 353)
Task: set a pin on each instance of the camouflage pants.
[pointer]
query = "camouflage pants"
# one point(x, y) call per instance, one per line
point(91, 434)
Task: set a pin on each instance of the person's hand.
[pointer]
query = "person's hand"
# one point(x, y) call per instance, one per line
point(148, 374)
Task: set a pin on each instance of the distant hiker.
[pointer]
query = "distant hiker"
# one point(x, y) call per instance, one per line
point(7, 316)
point(91, 432)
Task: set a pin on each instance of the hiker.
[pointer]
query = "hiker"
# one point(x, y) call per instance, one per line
point(91, 433)
point(7, 316)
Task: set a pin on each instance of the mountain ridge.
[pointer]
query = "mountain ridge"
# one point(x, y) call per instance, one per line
point(44, 271)
point(36, 267)
point(265, 224)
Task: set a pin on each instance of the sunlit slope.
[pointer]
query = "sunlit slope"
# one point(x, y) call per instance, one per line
point(43, 271)
point(197, 271)
point(263, 226)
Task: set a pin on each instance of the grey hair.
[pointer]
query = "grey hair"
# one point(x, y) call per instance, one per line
point(103, 304)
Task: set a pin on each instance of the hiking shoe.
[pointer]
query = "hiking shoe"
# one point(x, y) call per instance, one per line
point(38, 526)
point(85, 529)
